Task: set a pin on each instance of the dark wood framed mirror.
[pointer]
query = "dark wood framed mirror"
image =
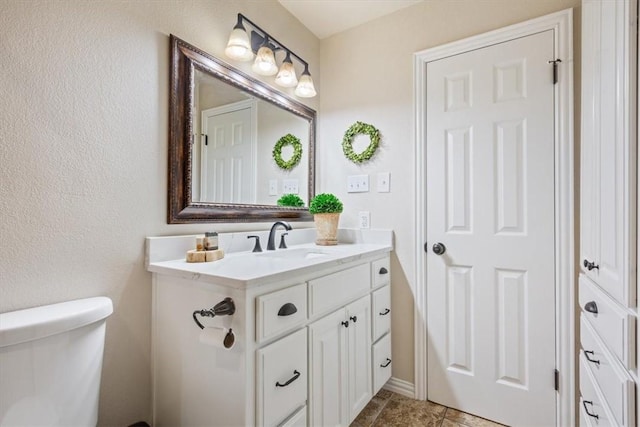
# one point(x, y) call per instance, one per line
point(207, 183)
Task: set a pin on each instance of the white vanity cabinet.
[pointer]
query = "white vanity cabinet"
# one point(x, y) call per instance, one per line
point(608, 214)
point(304, 342)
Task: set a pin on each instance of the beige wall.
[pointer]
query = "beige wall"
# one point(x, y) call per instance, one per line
point(367, 75)
point(83, 150)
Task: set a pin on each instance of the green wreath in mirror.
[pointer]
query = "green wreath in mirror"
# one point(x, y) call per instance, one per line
point(288, 139)
point(359, 128)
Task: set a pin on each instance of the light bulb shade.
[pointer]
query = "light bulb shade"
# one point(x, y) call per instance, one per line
point(239, 47)
point(265, 63)
point(305, 88)
point(287, 75)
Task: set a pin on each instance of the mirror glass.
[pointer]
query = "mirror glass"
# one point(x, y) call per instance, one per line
point(235, 133)
point(223, 126)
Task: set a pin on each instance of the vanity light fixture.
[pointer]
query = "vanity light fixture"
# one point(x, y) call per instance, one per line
point(265, 63)
point(305, 88)
point(241, 47)
point(287, 75)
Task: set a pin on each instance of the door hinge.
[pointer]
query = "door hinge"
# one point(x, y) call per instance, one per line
point(206, 139)
point(555, 69)
point(556, 379)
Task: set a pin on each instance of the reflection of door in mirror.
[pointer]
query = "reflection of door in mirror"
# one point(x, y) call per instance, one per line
point(228, 165)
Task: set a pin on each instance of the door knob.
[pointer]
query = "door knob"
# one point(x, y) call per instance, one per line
point(439, 248)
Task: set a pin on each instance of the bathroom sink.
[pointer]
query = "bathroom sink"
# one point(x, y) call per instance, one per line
point(297, 253)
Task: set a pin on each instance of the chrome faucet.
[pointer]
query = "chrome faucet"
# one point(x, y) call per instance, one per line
point(271, 246)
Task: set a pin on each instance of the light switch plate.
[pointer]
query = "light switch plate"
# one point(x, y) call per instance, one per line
point(290, 186)
point(384, 186)
point(273, 187)
point(358, 183)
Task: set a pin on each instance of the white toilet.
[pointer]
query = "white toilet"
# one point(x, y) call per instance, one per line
point(50, 363)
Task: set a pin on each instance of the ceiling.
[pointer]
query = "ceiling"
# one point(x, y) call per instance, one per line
point(327, 17)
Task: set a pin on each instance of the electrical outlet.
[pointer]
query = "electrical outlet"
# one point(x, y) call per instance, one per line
point(273, 187)
point(290, 186)
point(358, 183)
point(364, 219)
point(383, 182)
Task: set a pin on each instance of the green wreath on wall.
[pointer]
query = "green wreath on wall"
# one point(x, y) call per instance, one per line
point(288, 139)
point(359, 128)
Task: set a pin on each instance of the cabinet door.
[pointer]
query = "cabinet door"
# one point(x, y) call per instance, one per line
point(328, 367)
point(359, 358)
point(608, 170)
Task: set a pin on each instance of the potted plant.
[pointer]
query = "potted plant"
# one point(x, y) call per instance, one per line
point(326, 208)
point(292, 200)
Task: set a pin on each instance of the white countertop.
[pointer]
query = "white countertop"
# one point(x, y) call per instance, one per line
point(245, 269)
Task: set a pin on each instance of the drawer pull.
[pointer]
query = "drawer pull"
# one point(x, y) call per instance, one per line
point(385, 312)
point(386, 363)
point(591, 307)
point(590, 265)
point(354, 319)
point(287, 310)
point(295, 376)
point(587, 353)
point(591, 414)
point(345, 323)
point(383, 271)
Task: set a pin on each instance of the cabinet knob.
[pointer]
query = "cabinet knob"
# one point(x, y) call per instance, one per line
point(345, 323)
point(591, 307)
point(383, 270)
point(590, 265)
point(384, 312)
point(354, 319)
point(295, 376)
point(386, 363)
point(589, 352)
point(591, 414)
point(287, 310)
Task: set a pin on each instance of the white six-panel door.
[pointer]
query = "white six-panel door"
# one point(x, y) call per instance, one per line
point(228, 170)
point(490, 203)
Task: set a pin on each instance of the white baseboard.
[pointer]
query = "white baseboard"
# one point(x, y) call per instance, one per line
point(399, 386)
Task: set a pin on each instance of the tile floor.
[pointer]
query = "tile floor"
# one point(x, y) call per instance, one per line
point(391, 409)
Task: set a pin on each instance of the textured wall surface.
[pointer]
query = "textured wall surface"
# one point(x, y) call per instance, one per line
point(367, 75)
point(83, 154)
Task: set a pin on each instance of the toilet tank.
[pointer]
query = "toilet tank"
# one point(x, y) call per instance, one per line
point(50, 363)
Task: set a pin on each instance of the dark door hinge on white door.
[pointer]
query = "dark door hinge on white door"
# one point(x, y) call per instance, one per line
point(556, 379)
point(555, 69)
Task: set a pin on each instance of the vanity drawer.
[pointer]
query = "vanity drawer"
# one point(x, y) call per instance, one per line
point(592, 401)
point(614, 325)
point(281, 378)
point(614, 382)
point(381, 362)
point(381, 312)
point(328, 292)
point(280, 311)
point(381, 272)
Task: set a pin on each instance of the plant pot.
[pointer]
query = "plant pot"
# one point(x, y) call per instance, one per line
point(326, 228)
